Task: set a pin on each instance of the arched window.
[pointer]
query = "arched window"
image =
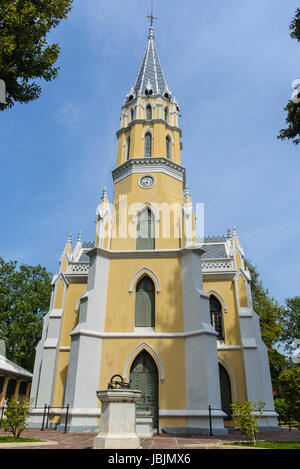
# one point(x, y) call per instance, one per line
point(167, 114)
point(168, 148)
point(127, 149)
point(145, 230)
point(149, 112)
point(148, 145)
point(216, 316)
point(145, 303)
point(132, 115)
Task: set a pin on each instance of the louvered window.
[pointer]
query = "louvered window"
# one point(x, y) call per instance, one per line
point(148, 146)
point(145, 230)
point(168, 148)
point(166, 114)
point(145, 303)
point(127, 148)
point(149, 113)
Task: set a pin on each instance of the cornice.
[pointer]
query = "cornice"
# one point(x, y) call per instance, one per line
point(149, 122)
point(149, 165)
point(150, 253)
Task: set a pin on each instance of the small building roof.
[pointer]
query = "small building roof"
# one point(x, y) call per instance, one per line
point(10, 368)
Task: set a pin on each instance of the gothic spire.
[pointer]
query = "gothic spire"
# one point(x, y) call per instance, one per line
point(150, 79)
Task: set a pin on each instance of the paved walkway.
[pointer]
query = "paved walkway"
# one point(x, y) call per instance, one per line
point(57, 440)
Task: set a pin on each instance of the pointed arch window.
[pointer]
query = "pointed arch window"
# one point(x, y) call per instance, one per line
point(166, 114)
point(149, 112)
point(148, 145)
point(132, 115)
point(145, 303)
point(216, 316)
point(168, 148)
point(145, 230)
point(127, 149)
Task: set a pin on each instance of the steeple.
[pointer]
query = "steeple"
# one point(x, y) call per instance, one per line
point(150, 79)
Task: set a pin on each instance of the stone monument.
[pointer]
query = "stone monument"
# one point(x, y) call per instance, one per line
point(118, 419)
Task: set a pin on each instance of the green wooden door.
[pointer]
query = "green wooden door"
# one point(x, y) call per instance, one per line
point(225, 388)
point(144, 377)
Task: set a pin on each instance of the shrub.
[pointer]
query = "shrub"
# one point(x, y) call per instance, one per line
point(282, 409)
point(15, 416)
point(245, 416)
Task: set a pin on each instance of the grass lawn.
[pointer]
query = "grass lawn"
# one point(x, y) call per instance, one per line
point(271, 444)
point(11, 439)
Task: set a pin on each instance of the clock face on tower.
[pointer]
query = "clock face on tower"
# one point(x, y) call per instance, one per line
point(146, 182)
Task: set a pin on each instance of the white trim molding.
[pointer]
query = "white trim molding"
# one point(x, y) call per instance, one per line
point(219, 296)
point(136, 351)
point(139, 274)
point(141, 208)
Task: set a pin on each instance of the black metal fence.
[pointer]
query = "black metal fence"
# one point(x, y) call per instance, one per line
point(46, 412)
point(47, 415)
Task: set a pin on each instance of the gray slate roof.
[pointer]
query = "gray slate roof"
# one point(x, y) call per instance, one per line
point(214, 251)
point(150, 71)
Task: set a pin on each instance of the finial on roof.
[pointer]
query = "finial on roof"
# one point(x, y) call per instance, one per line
point(228, 233)
point(68, 248)
point(104, 194)
point(151, 33)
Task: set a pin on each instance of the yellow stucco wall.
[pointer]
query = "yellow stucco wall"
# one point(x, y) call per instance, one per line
point(242, 292)
point(168, 304)
point(165, 197)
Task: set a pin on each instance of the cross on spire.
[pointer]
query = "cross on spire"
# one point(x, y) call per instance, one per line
point(151, 17)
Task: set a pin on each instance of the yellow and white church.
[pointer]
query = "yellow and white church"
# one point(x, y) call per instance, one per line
point(170, 313)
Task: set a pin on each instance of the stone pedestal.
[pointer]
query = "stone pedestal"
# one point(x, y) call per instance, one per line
point(118, 419)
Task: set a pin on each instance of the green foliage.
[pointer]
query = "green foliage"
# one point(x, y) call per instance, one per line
point(295, 26)
point(281, 408)
point(289, 383)
point(292, 132)
point(278, 363)
point(245, 416)
point(290, 322)
point(270, 312)
point(24, 299)
point(15, 416)
point(25, 55)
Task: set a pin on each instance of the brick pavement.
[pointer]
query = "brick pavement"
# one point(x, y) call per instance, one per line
point(58, 440)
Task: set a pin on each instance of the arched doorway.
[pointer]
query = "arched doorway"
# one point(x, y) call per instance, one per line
point(225, 388)
point(144, 377)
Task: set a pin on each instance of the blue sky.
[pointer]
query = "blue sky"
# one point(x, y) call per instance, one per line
point(229, 64)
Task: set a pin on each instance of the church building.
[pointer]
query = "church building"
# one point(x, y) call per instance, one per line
point(171, 313)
